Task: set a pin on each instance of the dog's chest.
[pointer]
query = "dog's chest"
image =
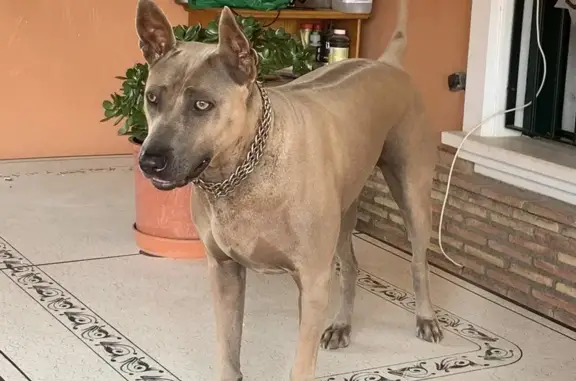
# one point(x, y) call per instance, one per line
point(258, 242)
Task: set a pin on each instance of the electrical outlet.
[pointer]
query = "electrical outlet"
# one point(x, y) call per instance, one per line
point(457, 81)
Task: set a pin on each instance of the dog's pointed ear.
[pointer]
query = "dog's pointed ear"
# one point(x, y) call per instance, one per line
point(154, 30)
point(235, 49)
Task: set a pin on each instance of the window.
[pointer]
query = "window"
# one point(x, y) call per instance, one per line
point(553, 114)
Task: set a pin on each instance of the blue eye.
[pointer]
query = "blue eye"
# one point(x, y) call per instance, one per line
point(203, 105)
point(151, 98)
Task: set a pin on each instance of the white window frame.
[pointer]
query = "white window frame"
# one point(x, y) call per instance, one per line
point(488, 64)
point(496, 151)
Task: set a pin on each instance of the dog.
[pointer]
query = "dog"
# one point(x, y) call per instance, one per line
point(278, 171)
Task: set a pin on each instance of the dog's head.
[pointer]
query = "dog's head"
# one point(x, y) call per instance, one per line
point(197, 96)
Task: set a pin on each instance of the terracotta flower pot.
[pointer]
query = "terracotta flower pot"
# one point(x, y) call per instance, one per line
point(164, 219)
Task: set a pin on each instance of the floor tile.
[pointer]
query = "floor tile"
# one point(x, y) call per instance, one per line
point(36, 347)
point(136, 318)
point(67, 214)
point(158, 312)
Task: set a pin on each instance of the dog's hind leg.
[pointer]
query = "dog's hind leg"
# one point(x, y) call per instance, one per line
point(338, 334)
point(407, 163)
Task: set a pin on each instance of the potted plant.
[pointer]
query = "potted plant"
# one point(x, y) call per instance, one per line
point(163, 225)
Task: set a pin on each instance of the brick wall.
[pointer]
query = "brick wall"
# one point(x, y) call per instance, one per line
point(513, 242)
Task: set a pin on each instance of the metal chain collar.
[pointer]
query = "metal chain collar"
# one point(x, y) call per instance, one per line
point(223, 188)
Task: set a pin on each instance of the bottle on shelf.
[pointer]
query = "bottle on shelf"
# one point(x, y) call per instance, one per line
point(305, 32)
point(316, 41)
point(339, 46)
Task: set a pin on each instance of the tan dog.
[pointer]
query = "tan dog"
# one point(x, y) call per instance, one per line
point(278, 171)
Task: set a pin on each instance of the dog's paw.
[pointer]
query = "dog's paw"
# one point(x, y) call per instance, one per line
point(428, 330)
point(336, 336)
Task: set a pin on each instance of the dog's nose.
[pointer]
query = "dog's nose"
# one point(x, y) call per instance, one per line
point(152, 163)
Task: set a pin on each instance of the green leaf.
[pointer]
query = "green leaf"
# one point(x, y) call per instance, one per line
point(117, 122)
point(109, 113)
point(124, 129)
point(179, 32)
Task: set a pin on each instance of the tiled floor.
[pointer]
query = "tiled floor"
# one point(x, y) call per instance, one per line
point(78, 303)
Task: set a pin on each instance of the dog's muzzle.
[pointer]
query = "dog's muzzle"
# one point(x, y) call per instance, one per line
point(166, 185)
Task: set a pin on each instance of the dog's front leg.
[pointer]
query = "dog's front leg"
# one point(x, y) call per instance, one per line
point(314, 285)
point(229, 288)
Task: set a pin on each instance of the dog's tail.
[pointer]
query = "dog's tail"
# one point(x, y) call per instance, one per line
point(394, 53)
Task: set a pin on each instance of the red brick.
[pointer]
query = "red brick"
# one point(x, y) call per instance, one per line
point(558, 271)
point(509, 252)
point(448, 212)
point(511, 223)
point(509, 279)
point(488, 283)
point(567, 259)
point(373, 209)
point(554, 241)
point(385, 233)
point(454, 190)
point(363, 216)
point(491, 205)
point(535, 220)
point(386, 201)
point(568, 232)
point(484, 256)
point(552, 209)
point(377, 174)
point(555, 301)
point(389, 228)
point(532, 275)
point(445, 159)
point(494, 193)
point(368, 194)
point(566, 290)
point(467, 207)
point(531, 302)
point(467, 235)
point(468, 263)
point(488, 229)
point(472, 183)
point(396, 219)
point(377, 186)
point(448, 240)
point(437, 195)
point(565, 317)
point(524, 241)
point(510, 195)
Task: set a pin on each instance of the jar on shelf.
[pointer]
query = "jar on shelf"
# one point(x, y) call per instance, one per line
point(339, 46)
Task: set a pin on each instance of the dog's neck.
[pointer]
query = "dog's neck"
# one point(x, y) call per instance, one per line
point(224, 164)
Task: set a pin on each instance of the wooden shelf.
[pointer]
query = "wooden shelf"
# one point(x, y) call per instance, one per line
point(291, 14)
point(291, 19)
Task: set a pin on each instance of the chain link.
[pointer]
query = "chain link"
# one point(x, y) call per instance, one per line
point(225, 187)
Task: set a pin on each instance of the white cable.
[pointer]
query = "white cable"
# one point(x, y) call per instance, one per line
point(544, 69)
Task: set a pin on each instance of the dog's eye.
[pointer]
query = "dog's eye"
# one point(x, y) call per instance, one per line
point(203, 105)
point(151, 97)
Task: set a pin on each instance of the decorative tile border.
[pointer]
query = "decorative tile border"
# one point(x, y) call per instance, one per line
point(493, 351)
point(129, 361)
point(133, 364)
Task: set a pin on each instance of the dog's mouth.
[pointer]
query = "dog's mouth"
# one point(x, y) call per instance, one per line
point(167, 185)
point(199, 169)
